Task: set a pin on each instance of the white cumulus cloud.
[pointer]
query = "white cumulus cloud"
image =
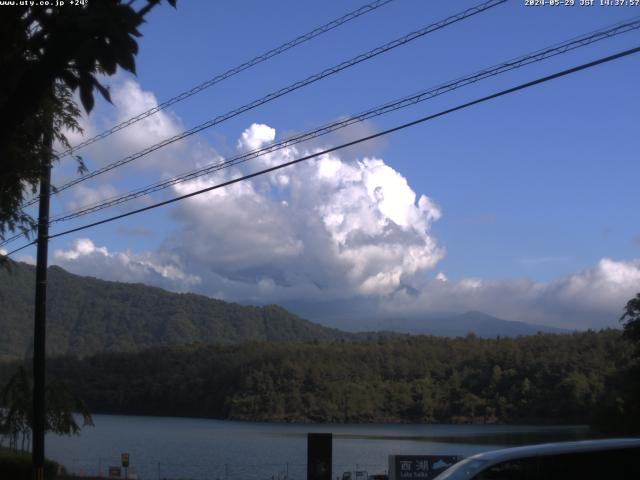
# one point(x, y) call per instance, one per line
point(129, 100)
point(86, 258)
point(328, 226)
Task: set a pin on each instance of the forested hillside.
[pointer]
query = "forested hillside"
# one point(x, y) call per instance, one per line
point(87, 315)
point(543, 378)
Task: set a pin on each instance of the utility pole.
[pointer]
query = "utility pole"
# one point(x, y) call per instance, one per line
point(40, 317)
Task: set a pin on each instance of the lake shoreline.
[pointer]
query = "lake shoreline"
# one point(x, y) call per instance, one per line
point(382, 421)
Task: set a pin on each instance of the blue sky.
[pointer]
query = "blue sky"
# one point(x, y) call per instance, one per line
point(533, 191)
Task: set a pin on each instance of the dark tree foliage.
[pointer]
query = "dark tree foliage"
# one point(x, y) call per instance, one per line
point(631, 319)
point(16, 414)
point(620, 411)
point(47, 54)
point(546, 378)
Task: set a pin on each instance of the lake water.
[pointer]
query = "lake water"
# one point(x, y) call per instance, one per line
point(191, 448)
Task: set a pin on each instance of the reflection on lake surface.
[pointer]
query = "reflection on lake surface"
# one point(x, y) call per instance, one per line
point(162, 447)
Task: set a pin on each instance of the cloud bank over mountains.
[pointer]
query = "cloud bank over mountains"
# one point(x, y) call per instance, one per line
point(592, 298)
point(327, 231)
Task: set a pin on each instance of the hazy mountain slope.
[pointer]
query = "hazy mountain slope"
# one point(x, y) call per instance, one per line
point(483, 325)
point(87, 315)
point(443, 324)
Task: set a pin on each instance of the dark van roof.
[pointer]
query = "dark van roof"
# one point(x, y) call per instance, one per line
point(476, 463)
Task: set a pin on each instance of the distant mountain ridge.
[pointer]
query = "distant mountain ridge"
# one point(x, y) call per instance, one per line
point(483, 325)
point(445, 324)
point(88, 315)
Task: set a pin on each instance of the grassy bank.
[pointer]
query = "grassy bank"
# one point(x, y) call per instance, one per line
point(17, 466)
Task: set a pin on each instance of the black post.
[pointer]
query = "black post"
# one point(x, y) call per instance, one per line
point(40, 321)
point(319, 456)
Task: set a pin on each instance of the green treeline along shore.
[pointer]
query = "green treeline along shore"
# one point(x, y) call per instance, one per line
point(546, 378)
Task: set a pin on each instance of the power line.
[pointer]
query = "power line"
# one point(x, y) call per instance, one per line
point(283, 91)
point(501, 93)
point(534, 57)
point(12, 238)
point(233, 71)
